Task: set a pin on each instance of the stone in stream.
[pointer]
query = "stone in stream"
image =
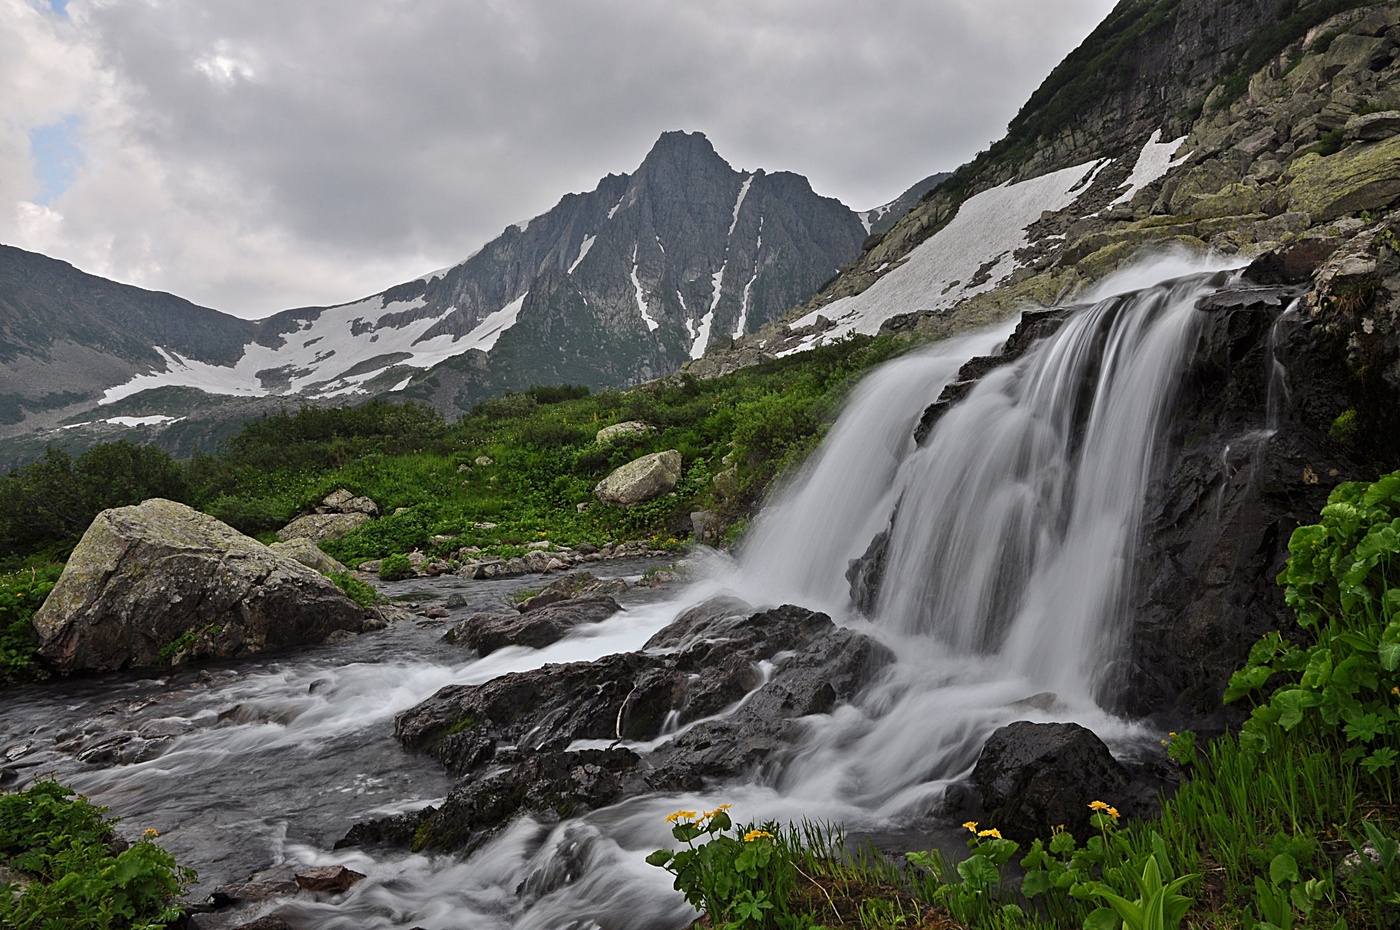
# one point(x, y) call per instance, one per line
point(1034, 777)
point(536, 628)
point(329, 879)
point(519, 727)
point(159, 583)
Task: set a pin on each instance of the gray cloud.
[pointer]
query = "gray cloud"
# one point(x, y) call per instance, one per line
point(254, 155)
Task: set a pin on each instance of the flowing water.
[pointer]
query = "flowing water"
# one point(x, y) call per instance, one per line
point(1011, 532)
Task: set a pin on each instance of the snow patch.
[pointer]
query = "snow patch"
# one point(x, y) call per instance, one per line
point(978, 245)
point(485, 334)
point(583, 251)
point(757, 263)
point(743, 192)
point(402, 384)
point(641, 300)
point(1153, 162)
point(617, 206)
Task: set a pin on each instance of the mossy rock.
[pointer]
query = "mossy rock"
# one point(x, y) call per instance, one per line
point(1362, 177)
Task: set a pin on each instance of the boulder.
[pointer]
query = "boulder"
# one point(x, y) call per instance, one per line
point(1373, 127)
point(329, 879)
point(160, 583)
point(319, 527)
point(1034, 777)
point(536, 628)
point(309, 554)
point(641, 480)
point(571, 586)
point(610, 434)
point(344, 501)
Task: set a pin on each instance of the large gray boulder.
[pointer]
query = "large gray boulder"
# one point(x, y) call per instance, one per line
point(160, 583)
point(319, 527)
point(309, 554)
point(641, 480)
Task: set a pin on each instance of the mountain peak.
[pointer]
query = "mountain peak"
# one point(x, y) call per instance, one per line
point(682, 150)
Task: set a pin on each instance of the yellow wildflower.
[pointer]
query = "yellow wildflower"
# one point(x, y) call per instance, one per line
point(149, 834)
point(681, 815)
point(755, 834)
point(1097, 806)
point(994, 833)
point(971, 825)
point(1112, 812)
point(711, 814)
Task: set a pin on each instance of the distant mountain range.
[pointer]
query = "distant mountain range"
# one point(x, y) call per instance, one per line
point(609, 288)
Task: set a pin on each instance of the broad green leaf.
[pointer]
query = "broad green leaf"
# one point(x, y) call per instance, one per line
point(978, 872)
point(1102, 919)
point(1284, 868)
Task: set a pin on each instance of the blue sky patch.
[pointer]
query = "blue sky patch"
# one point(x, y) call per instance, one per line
point(56, 157)
point(59, 6)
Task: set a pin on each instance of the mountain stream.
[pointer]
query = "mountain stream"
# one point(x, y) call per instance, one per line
point(1011, 530)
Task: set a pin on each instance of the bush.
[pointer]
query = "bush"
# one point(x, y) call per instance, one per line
point(396, 568)
point(357, 590)
point(21, 595)
point(66, 842)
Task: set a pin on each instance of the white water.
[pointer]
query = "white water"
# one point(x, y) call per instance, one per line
point(1003, 599)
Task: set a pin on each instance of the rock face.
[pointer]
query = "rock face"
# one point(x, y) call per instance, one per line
point(160, 582)
point(1034, 777)
point(519, 727)
point(641, 480)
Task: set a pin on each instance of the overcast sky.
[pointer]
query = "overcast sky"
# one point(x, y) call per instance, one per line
point(255, 155)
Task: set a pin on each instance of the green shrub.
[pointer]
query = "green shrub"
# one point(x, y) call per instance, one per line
point(21, 595)
point(358, 591)
point(396, 568)
point(80, 881)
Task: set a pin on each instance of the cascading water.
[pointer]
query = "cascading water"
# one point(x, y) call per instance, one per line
point(1011, 530)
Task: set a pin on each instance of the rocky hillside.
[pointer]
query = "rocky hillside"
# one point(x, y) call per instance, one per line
point(1226, 128)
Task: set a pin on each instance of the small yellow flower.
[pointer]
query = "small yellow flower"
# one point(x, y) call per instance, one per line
point(149, 834)
point(1097, 806)
point(971, 825)
point(1172, 734)
point(709, 815)
point(755, 834)
point(1395, 690)
point(994, 833)
point(1057, 828)
point(681, 815)
point(1112, 812)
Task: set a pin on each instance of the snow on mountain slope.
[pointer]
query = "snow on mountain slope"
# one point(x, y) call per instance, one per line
point(972, 254)
point(334, 352)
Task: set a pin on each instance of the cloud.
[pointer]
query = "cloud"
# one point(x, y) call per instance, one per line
point(255, 155)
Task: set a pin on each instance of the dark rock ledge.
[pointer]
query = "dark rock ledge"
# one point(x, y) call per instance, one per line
point(507, 740)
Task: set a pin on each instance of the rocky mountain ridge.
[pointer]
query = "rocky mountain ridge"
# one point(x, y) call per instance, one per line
point(610, 287)
point(1229, 131)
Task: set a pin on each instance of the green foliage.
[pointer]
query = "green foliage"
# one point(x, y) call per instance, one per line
point(396, 568)
point(974, 890)
point(48, 505)
point(80, 879)
point(21, 595)
point(1344, 428)
point(1376, 881)
point(358, 591)
point(739, 879)
point(1344, 686)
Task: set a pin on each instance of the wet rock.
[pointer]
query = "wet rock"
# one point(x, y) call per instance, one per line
point(330, 879)
point(641, 480)
point(269, 922)
point(863, 574)
point(536, 628)
point(160, 582)
point(556, 784)
point(572, 586)
point(1033, 777)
